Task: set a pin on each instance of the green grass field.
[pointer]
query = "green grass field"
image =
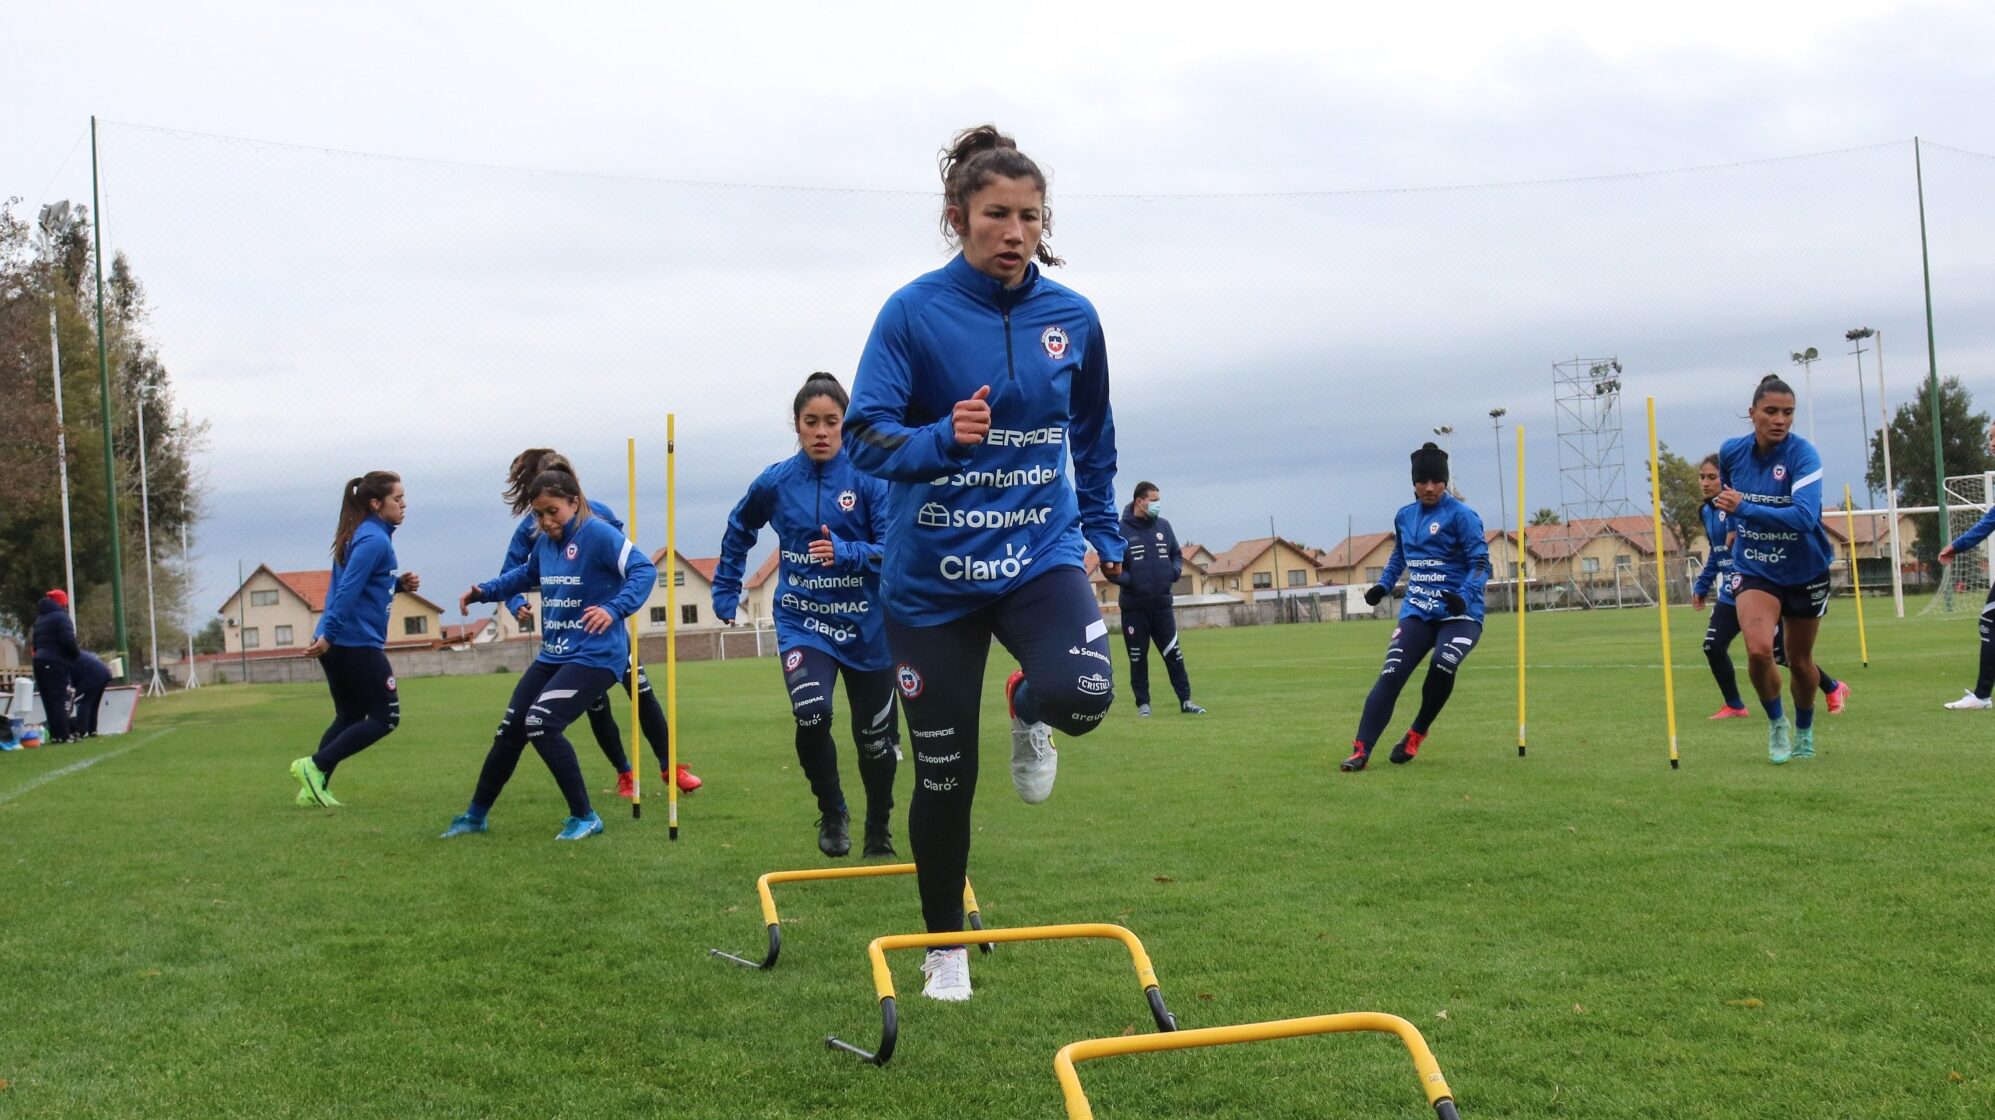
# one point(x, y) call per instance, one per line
point(1580, 933)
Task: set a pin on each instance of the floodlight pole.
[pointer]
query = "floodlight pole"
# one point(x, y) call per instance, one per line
point(153, 687)
point(1932, 354)
point(193, 677)
point(104, 400)
point(1502, 516)
point(53, 215)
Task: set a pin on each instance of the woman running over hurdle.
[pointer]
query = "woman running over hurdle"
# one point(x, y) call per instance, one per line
point(1724, 626)
point(591, 577)
point(1977, 697)
point(1438, 541)
point(829, 521)
point(978, 381)
point(527, 466)
point(352, 634)
point(1771, 484)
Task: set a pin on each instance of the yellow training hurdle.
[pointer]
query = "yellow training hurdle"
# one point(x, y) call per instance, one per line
point(1423, 1059)
point(883, 979)
point(864, 871)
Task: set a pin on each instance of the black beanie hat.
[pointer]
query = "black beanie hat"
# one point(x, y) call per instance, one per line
point(1430, 464)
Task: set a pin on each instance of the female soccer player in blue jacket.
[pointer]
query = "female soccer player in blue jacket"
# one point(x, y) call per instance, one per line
point(1724, 613)
point(527, 466)
point(1438, 541)
point(353, 630)
point(591, 577)
point(977, 382)
point(1977, 697)
point(1772, 487)
point(829, 521)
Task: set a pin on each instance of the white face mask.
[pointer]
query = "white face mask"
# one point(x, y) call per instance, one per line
point(1156, 507)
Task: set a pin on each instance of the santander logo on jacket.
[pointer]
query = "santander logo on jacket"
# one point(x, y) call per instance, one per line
point(592, 565)
point(1778, 527)
point(832, 607)
point(363, 588)
point(969, 524)
point(1440, 549)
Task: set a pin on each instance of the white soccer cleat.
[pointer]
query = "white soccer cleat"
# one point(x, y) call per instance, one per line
point(1034, 762)
point(1967, 703)
point(948, 972)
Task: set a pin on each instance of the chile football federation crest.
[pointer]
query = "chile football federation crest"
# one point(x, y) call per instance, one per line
point(1780, 472)
point(1054, 339)
point(1433, 527)
point(572, 551)
point(795, 658)
point(846, 500)
point(909, 680)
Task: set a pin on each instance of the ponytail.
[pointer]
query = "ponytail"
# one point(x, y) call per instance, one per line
point(520, 475)
point(356, 503)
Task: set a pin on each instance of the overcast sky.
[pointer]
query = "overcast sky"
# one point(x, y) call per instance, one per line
point(1287, 316)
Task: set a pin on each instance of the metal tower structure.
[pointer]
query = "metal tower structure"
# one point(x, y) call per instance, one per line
point(1593, 484)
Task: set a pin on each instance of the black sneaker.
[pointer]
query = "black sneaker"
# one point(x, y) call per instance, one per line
point(1190, 709)
point(879, 843)
point(1360, 754)
point(834, 836)
point(1407, 748)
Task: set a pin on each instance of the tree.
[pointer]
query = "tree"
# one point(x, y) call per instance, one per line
point(1680, 495)
point(38, 273)
point(1964, 435)
point(1545, 516)
point(209, 640)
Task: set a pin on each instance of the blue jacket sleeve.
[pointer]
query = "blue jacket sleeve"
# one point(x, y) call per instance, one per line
point(1092, 427)
point(1805, 514)
point(1476, 550)
point(876, 439)
point(1394, 564)
point(876, 527)
point(750, 514)
point(639, 575)
point(363, 555)
point(1177, 555)
point(514, 581)
point(1709, 575)
point(1977, 534)
point(854, 556)
point(516, 554)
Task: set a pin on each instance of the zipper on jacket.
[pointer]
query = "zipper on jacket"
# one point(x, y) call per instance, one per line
point(1010, 372)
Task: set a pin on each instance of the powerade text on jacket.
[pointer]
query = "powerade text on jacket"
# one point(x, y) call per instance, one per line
point(969, 524)
point(363, 588)
point(1440, 549)
point(831, 607)
point(522, 543)
point(592, 565)
point(1718, 564)
point(1778, 527)
point(1152, 563)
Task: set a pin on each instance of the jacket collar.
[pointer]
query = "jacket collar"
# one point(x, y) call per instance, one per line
point(992, 291)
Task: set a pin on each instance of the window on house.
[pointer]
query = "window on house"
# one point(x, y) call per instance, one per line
point(251, 638)
point(689, 615)
point(1264, 579)
point(283, 635)
point(415, 624)
point(1623, 562)
point(1589, 564)
point(1298, 578)
point(658, 616)
point(263, 598)
point(1374, 575)
point(1233, 584)
point(678, 579)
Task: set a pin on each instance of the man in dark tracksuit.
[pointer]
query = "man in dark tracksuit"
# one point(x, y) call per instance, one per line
point(1153, 564)
point(55, 662)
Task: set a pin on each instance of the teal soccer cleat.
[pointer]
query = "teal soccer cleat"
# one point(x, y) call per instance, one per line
point(463, 824)
point(580, 828)
point(1804, 742)
point(1779, 743)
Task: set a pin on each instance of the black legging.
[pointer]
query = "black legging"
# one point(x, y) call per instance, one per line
point(808, 674)
point(366, 705)
point(650, 720)
point(1451, 641)
point(546, 700)
point(1053, 626)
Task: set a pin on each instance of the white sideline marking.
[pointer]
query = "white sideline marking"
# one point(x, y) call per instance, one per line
point(36, 783)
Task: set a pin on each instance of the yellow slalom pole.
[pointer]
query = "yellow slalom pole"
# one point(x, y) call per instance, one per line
point(1662, 581)
point(1522, 602)
point(671, 627)
point(636, 749)
point(1856, 583)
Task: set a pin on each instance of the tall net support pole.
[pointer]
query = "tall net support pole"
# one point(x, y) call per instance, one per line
point(104, 402)
point(1522, 603)
point(636, 662)
point(1856, 581)
point(1662, 585)
point(672, 626)
point(153, 687)
point(1890, 487)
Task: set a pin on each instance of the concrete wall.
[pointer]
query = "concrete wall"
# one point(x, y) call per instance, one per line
point(488, 657)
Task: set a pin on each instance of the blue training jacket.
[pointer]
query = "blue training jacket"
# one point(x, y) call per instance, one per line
point(522, 544)
point(592, 565)
point(1975, 535)
point(1718, 564)
point(967, 525)
point(1442, 548)
point(1779, 525)
point(831, 607)
point(1153, 562)
point(363, 588)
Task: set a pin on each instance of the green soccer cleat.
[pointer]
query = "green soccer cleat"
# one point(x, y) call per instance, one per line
point(1779, 744)
point(306, 799)
point(1804, 742)
point(313, 780)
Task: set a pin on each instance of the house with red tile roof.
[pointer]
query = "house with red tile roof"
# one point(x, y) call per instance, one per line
point(275, 610)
